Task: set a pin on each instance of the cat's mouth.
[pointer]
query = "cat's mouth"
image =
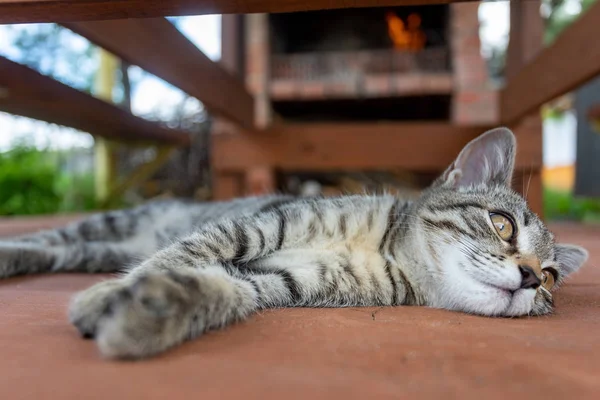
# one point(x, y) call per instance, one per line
point(504, 291)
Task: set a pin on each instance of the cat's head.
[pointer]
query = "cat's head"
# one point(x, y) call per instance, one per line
point(490, 253)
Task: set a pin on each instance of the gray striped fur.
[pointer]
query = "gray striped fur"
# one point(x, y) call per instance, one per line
point(191, 267)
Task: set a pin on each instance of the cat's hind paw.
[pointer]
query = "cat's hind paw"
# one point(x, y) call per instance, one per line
point(17, 258)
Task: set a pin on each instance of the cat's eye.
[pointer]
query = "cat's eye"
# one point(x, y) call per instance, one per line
point(503, 225)
point(548, 279)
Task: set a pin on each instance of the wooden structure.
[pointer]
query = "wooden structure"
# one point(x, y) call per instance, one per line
point(556, 70)
point(251, 141)
point(18, 11)
point(31, 94)
point(157, 46)
point(290, 145)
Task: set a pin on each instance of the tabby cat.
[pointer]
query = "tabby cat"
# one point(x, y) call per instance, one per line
point(469, 243)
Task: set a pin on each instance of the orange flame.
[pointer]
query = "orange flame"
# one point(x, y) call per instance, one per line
point(407, 36)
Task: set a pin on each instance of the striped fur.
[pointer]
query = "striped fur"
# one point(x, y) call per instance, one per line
point(196, 267)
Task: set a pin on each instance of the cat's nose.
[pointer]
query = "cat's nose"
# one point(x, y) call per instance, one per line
point(529, 279)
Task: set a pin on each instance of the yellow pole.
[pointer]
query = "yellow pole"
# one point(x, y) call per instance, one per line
point(104, 161)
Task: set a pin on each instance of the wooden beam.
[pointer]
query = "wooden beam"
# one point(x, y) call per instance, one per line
point(19, 11)
point(525, 43)
point(259, 180)
point(105, 162)
point(320, 146)
point(558, 69)
point(232, 39)
point(525, 36)
point(158, 47)
point(31, 94)
point(258, 66)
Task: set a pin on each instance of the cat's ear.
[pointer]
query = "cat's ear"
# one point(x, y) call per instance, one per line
point(570, 258)
point(488, 159)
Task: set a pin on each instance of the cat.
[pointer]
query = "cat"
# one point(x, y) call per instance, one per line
point(469, 243)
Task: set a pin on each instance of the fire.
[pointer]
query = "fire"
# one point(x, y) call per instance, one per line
point(406, 36)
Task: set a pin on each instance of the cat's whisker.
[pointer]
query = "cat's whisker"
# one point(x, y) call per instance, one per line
point(529, 181)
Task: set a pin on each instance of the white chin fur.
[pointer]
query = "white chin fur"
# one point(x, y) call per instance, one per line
point(489, 302)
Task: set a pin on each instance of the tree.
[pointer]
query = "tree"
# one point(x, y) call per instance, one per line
point(54, 51)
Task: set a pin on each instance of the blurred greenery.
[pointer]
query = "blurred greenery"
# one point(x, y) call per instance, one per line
point(560, 16)
point(557, 15)
point(562, 205)
point(32, 183)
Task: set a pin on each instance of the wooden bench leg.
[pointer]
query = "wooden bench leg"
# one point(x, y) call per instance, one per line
point(227, 186)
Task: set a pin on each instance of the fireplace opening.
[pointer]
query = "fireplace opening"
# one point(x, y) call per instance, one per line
point(362, 64)
point(411, 108)
point(341, 44)
point(401, 28)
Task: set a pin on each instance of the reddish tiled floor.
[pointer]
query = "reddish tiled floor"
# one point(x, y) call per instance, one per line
point(303, 353)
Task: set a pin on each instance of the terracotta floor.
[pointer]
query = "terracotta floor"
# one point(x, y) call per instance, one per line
point(303, 353)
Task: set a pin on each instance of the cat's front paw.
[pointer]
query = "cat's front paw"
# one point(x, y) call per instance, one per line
point(147, 316)
point(90, 305)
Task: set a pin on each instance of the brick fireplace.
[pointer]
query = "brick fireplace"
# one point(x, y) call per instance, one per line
point(359, 54)
point(378, 80)
point(350, 65)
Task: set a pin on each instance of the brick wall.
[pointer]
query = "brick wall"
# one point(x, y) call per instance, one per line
point(475, 101)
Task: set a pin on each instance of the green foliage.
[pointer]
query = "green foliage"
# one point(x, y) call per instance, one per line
point(552, 113)
point(558, 19)
point(27, 182)
point(31, 183)
point(562, 205)
point(77, 192)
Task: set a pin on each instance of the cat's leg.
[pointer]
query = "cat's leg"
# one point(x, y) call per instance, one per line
point(226, 270)
point(17, 258)
point(148, 312)
point(142, 315)
point(110, 226)
point(105, 242)
point(22, 258)
point(219, 245)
